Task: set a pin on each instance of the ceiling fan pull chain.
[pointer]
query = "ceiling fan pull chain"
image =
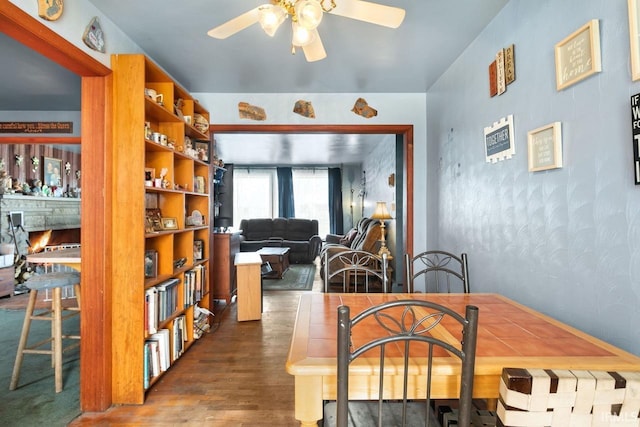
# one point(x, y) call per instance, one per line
point(328, 9)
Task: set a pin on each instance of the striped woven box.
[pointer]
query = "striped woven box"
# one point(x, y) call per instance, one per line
point(563, 398)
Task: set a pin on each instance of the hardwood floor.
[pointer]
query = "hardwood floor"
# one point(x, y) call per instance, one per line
point(214, 384)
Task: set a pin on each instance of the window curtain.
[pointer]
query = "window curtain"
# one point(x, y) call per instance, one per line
point(286, 208)
point(336, 225)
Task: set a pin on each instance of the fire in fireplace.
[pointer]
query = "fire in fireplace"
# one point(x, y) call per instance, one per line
point(38, 240)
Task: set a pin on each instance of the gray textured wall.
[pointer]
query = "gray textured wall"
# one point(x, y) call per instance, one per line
point(565, 241)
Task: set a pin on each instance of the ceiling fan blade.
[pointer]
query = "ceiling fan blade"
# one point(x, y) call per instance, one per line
point(374, 13)
point(235, 25)
point(314, 51)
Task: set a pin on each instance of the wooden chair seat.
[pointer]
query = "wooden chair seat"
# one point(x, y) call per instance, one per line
point(55, 282)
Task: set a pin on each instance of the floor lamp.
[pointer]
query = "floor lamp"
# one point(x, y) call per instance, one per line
point(381, 213)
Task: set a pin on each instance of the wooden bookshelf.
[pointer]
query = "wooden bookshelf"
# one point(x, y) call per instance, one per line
point(177, 197)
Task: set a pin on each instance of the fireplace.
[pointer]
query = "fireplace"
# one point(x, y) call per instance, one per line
point(37, 240)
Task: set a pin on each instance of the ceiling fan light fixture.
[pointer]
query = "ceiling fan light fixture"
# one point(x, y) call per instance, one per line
point(271, 17)
point(301, 35)
point(308, 13)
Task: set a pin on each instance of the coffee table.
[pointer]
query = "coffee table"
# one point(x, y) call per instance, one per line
point(278, 258)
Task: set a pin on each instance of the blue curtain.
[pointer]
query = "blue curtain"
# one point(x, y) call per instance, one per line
point(286, 208)
point(335, 201)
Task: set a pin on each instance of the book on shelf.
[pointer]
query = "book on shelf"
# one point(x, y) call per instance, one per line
point(179, 336)
point(167, 298)
point(151, 311)
point(193, 285)
point(163, 354)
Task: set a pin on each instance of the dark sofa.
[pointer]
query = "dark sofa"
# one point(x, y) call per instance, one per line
point(300, 235)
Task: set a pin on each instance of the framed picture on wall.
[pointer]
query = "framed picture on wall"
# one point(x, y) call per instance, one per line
point(578, 55)
point(545, 147)
point(634, 38)
point(51, 172)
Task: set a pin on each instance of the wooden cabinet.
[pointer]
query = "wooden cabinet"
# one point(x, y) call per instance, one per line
point(155, 169)
point(226, 246)
point(249, 289)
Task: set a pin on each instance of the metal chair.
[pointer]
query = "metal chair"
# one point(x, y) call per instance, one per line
point(404, 333)
point(359, 268)
point(439, 271)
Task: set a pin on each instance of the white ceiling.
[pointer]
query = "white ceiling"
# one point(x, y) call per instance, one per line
point(361, 58)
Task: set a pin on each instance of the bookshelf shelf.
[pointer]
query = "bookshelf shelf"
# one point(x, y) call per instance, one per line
point(157, 315)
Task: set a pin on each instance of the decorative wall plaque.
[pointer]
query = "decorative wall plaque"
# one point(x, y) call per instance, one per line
point(252, 112)
point(304, 108)
point(500, 78)
point(50, 10)
point(635, 132)
point(493, 79)
point(93, 36)
point(362, 108)
point(510, 64)
point(36, 127)
point(499, 140)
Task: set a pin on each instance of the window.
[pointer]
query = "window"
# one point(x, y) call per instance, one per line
point(255, 195)
point(311, 196)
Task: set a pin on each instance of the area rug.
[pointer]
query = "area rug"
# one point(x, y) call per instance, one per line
point(299, 277)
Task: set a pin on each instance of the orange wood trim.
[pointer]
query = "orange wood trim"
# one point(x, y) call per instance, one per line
point(405, 130)
point(95, 353)
point(95, 356)
point(17, 24)
point(39, 140)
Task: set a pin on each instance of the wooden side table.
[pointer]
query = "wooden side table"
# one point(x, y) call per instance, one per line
point(249, 290)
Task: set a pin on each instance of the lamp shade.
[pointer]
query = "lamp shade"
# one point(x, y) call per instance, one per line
point(381, 211)
point(270, 17)
point(301, 36)
point(309, 13)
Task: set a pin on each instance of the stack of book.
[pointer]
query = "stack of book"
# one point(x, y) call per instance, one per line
point(156, 355)
point(193, 284)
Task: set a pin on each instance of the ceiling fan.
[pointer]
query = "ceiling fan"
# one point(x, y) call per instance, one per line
point(305, 18)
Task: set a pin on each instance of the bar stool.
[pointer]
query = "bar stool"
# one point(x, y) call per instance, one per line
point(54, 282)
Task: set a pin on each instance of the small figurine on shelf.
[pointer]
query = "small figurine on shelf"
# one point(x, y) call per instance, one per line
point(164, 182)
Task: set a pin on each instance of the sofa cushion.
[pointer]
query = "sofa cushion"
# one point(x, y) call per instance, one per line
point(257, 229)
point(347, 239)
point(368, 242)
point(300, 229)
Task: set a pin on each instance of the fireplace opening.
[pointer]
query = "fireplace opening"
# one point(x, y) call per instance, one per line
point(38, 240)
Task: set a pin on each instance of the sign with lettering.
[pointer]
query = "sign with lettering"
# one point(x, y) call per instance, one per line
point(635, 131)
point(499, 140)
point(578, 55)
point(36, 127)
point(545, 147)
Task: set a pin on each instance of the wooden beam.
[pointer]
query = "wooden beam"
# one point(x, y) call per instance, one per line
point(26, 29)
point(95, 354)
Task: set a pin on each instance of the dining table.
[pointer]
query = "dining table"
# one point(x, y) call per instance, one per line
point(68, 256)
point(509, 335)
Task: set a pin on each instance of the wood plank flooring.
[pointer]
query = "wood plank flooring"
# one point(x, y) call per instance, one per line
point(214, 384)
